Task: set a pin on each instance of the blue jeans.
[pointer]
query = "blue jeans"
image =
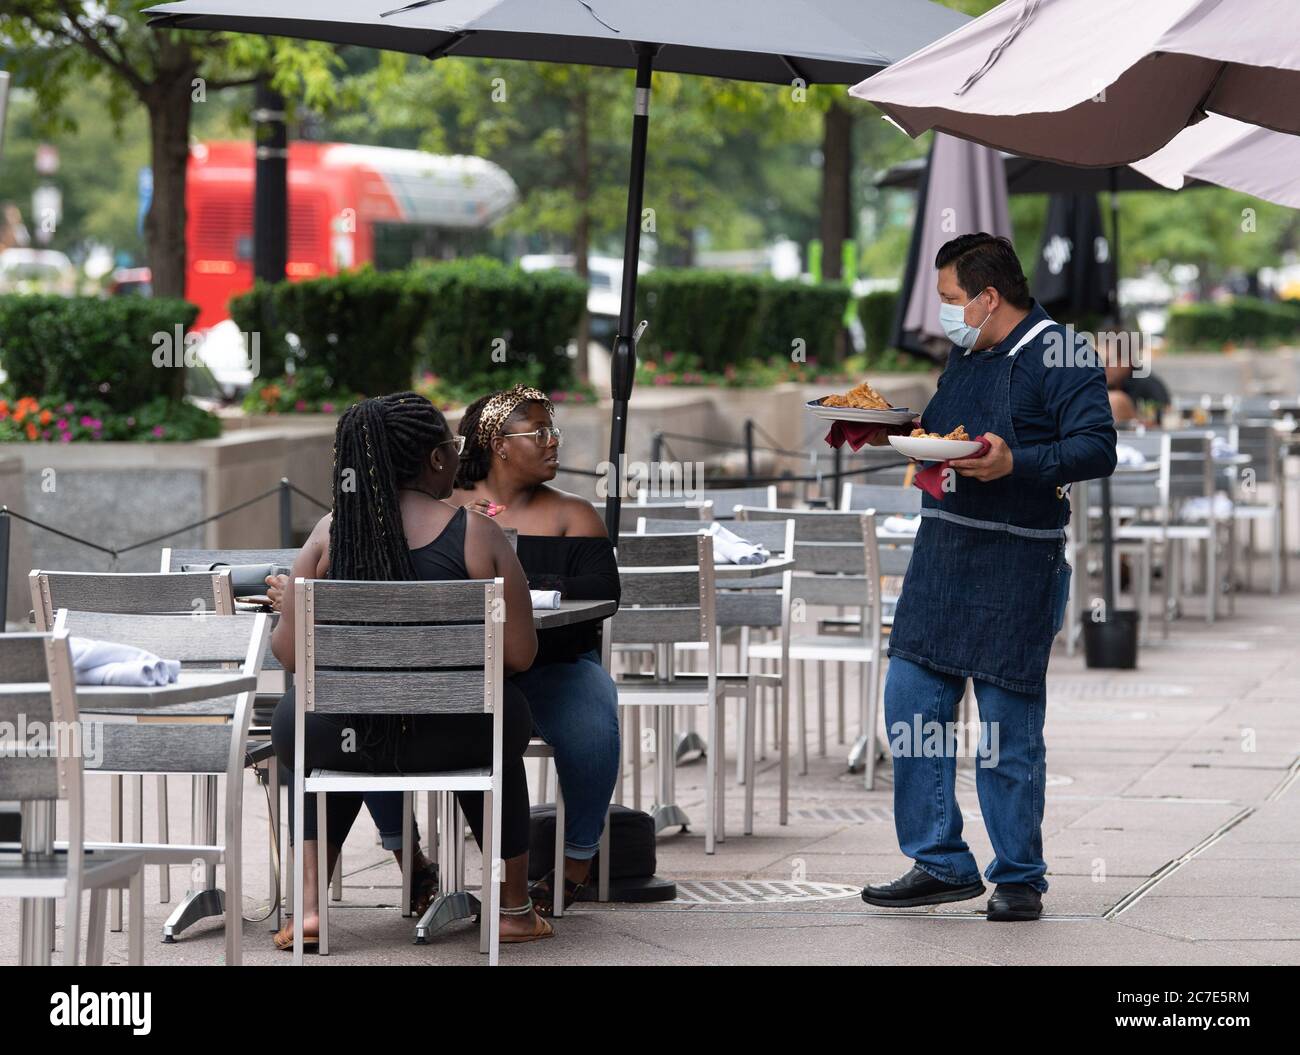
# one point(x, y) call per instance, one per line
point(1010, 772)
point(575, 710)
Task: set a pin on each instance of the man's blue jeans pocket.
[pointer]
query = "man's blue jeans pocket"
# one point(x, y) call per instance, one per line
point(1062, 596)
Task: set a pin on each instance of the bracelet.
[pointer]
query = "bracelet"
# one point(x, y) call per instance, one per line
point(522, 910)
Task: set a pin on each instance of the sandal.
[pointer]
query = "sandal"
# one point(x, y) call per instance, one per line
point(424, 888)
point(541, 929)
point(543, 892)
point(284, 943)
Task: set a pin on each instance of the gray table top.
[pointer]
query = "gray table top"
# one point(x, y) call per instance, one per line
point(571, 612)
point(190, 687)
point(729, 571)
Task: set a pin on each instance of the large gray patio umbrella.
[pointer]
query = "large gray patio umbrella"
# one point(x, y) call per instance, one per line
point(774, 41)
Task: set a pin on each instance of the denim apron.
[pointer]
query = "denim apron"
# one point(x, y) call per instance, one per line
point(983, 588)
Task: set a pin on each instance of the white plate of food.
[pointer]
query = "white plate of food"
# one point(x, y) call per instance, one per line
point(933, 447)
point(861, 403)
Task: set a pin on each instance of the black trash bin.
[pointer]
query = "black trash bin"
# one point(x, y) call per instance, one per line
point(1113, 643)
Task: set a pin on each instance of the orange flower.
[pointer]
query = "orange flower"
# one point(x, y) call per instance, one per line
point(31, 430)
point(46, 417)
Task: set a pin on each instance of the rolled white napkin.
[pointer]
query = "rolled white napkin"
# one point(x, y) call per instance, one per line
point(730, 548)
point(1126, 455)
point(545, 600)
point(902, 525)
point(1198, 508)
point(111, 663)
point(1221, 448)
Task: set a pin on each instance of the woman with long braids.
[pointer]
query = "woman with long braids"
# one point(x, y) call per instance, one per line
point(511, 455)
point(395, 460)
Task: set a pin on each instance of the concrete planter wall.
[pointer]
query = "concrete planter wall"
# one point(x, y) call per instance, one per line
point(1242, 372)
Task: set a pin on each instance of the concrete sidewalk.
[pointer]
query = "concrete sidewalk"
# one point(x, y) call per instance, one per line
point(1172, 836)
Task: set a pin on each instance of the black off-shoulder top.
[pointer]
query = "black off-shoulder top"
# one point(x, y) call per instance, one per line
point(582, 568)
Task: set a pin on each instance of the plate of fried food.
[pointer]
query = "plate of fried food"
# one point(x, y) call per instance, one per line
point(860, 403)
point(935, 447)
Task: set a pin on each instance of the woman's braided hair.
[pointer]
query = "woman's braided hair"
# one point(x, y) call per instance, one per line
point(379, 445)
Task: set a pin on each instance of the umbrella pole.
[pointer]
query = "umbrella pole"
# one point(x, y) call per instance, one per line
point(623, 366)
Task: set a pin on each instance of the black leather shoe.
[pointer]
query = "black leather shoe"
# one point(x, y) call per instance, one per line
point(919, 888)
point(1012, 902)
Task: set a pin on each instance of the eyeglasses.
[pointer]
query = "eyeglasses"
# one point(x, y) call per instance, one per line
point(542, 437)
point(459, 441)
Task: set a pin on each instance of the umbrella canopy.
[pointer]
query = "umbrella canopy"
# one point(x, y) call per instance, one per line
point(826, 42)
point(965, 191)
point(1032, 176)
point(1230, 154)
point(778, 41)
point(1074, 275)
point(1099, 82)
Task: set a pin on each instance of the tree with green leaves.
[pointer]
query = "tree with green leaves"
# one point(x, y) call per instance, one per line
point(60, 48)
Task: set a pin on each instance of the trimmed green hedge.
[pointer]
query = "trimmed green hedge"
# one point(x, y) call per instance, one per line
point(368, 330)
point(88, 348)
point(360, 327)
point(489, 324)
point(1242, 319)
point(876, 313)
point(725, 319)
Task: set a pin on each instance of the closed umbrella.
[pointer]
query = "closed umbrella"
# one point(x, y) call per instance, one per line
point(964, 190)
point(775, 41)
point(1074, 275)
point(1099, 82)
point(1231, 154)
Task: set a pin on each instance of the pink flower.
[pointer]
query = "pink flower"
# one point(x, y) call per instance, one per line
point(327, 408)
point(86, 419)
point(66, 437)
point(62, 424)
point(67, 408)
point(158, 430)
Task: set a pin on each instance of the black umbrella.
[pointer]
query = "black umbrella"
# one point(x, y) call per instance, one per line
point(1074, 275)
point(796, 42)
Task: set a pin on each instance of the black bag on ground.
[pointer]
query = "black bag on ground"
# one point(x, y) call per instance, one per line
point(631, 838)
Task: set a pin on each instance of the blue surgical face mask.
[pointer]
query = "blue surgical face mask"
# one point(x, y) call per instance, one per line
point(953, 320)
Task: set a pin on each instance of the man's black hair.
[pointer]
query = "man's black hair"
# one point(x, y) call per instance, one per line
point(983, 260)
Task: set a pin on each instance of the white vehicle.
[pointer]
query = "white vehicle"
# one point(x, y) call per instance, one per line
point(37, 271)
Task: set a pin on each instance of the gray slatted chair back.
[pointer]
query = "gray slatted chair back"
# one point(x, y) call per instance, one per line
point(837, 552)
point(399, 647)
point(40, 745)
point(177, 559)
point(1260, 440)
point(770, 534)
point(724, 499)
point(668, 590)
point(1191, 467)
point(137, 593)
point(1145, 490)
point(886, 501)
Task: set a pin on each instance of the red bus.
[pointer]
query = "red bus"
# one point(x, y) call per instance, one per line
point(348, 205)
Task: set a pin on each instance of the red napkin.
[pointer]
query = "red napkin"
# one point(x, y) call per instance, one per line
point(930, 479)
point(856, 433)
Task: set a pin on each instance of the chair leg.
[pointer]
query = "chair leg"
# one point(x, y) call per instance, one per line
point(336, 886)
point(323, 875)
point(95, 928)
point(718, 737)
point(871, 695)
point(801, 711)
point(273, 847)
point(711, 782)
point(558, 884)
point(164, 871)
point(1211, 576)
point(821, 708)
point(743, 717)
point(408, 847)
point(606, 837)
point(841, 710)
point(72, 928)
point(635, 731)
point(783, 738)
point(747, 750)
point(135, 898)
point(115, 835)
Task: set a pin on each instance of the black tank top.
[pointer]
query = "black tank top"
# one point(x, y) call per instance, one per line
point(444, 557)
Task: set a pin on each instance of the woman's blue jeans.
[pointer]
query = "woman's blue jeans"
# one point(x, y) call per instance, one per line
point(1010, 775)
point(575, 710)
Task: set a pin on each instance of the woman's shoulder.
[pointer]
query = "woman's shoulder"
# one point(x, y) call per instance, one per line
point(577, 516)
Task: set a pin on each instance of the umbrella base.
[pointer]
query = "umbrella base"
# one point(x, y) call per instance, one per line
point(1113, 644)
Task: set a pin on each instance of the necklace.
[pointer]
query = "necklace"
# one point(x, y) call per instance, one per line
point(422, 491)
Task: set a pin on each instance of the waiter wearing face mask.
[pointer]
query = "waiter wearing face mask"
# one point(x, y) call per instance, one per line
point(987, 585)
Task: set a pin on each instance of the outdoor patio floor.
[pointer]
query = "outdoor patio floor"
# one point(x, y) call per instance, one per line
point(1145, 768)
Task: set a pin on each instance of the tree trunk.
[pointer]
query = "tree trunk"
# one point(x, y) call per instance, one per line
point(582, 228)
point(837, 173)
point(837, 200)
point(169, 100)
